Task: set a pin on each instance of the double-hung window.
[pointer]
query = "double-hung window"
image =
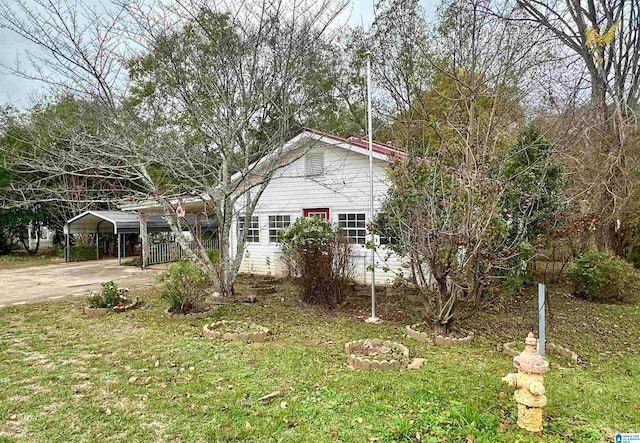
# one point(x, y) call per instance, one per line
point(253, 229)
point(276, 223)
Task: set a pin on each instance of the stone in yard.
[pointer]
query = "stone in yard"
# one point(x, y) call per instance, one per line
point(416, 363)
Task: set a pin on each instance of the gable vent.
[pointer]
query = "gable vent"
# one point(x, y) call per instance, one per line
point(314, 163)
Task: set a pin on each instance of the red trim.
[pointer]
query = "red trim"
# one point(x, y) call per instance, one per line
point(378, 147)
point(324, 211)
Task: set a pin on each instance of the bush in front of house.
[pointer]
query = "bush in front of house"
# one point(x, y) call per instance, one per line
point(316, 252)
point(602, 277)
point(185, 287)
point(107, 298)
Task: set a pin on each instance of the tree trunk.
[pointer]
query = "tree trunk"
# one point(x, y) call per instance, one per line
point(441, 328)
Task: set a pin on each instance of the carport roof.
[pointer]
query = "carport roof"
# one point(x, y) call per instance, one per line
point(117, 222)
point(120, 222)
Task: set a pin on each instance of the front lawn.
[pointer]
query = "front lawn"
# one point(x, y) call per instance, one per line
point(137, 376)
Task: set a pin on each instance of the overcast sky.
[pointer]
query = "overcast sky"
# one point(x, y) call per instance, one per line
point(22, 93)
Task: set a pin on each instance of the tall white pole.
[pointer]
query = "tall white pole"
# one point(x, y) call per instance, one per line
point(541, 319)
point(373, 318)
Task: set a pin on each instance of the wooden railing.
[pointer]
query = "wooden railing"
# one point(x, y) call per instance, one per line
point(172, 251)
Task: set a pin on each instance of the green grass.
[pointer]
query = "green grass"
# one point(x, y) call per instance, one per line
point(137, 376)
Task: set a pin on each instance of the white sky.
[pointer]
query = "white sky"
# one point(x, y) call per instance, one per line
point(22, 93)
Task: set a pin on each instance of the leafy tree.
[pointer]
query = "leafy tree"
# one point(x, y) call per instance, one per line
point(533, 182)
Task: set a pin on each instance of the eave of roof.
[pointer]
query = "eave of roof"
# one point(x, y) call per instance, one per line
point(376, 146)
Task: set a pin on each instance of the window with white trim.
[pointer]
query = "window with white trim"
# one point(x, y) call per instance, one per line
point(314, 163)
point(253, 230)
point(354, 227)
point(276, 223)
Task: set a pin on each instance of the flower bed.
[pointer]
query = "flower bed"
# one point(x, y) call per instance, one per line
point(415, 332)
point(236, 331)
point(376, 354)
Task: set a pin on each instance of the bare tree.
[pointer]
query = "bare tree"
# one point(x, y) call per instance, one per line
point(605, 37)
point(213, 87)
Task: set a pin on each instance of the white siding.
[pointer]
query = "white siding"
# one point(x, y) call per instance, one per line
point(343, 188)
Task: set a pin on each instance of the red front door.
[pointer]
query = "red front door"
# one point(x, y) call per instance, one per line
point(322, 213)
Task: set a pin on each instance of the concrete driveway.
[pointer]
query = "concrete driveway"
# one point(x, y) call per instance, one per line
point(36, 283)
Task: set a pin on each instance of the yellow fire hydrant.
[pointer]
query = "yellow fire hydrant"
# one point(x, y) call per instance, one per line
point(529, 384)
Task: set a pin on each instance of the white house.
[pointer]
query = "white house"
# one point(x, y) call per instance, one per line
point(322, 175)
point(329, 178)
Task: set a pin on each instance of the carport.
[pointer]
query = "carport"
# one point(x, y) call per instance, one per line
point(104, 222)
point(120, 223)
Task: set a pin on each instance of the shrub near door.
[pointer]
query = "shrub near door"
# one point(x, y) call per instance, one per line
point(320, 257)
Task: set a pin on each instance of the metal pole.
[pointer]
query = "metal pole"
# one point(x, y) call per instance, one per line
point(97, 246)
point(373, 318)
point(541, 318)
point(119, 258)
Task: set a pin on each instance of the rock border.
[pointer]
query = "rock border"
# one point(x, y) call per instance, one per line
point(209, 331)
point(552, 348)
point(126, 307)
point(190, 316)
point(366, 364)
point(439, 340)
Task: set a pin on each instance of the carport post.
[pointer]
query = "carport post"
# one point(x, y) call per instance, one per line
point(143, 239)
point(97, 246)
point(119, 259)
point(66, 252)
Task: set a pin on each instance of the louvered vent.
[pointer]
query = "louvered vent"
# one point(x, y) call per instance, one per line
point(314, 163)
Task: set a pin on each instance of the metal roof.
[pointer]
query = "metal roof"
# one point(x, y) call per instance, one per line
point(119, 222)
